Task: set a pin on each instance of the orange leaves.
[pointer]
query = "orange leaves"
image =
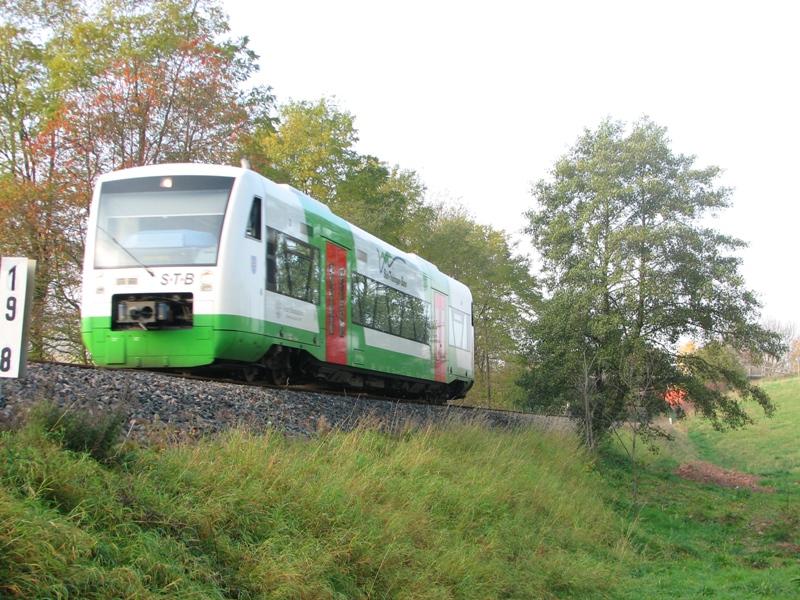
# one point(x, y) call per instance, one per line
point(676, 397)
point(147, 107)
point(125, 85)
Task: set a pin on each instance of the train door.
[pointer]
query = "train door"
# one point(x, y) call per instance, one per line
point(335, 304)
point(439, 336)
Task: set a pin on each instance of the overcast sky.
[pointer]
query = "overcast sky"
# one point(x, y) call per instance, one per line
point(481, 98)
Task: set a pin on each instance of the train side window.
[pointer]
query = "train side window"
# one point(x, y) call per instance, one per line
point(422, 321)
point(458, 329)
point(292, 267)
point(378, 306)
point(380, 309)
point(254, 220)
point(396, 301)
point(359, 297)
point(402, 302)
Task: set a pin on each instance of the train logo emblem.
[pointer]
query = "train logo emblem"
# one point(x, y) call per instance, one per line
point(386, 262)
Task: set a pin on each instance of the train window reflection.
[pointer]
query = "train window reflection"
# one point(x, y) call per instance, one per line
point(142, 222)
point(387, 309)
point(254, 220)
point(292, 267)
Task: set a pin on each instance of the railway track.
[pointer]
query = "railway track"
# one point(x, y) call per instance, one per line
point(300, 387)
point(198, 404)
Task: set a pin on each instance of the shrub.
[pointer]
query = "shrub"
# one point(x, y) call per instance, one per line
point(79, 431)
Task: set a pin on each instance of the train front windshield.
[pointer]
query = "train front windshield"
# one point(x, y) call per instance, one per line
point(161, 221)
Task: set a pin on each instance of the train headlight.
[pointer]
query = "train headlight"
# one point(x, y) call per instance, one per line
point(206, 281)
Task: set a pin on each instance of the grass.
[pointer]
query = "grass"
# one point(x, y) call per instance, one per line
point(456, 513)
point(770, 447)
point(697, 540)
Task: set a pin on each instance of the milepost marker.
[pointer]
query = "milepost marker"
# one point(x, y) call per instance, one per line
point(16, 295)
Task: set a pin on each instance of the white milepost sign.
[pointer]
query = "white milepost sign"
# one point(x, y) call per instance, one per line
point(16, 291)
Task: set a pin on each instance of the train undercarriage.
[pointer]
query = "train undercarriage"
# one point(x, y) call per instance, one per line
point(286, 366)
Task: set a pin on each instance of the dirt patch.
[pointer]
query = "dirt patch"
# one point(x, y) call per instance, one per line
point(789, 548)
point(706, 472)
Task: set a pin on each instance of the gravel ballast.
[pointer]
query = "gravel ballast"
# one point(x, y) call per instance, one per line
point(162, 404)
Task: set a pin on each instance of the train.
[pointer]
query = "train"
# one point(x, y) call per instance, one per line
point(199, 267)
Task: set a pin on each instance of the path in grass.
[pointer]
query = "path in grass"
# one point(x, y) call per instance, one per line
point(770, 447)
point(702, 540)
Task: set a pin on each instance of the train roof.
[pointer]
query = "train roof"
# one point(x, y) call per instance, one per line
point(283, 192)
point(324, 210)
point(171, 168)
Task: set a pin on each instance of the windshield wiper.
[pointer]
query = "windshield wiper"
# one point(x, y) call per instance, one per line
point(128, 252)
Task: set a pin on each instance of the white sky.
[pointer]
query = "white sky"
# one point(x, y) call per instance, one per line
point(481, 98)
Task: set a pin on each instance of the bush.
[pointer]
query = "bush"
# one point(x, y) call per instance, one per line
point(79, 431)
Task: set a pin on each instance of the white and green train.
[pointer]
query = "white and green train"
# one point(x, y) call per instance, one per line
point(195, 266)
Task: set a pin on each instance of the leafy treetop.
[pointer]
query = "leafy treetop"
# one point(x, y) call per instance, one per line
point(631, 267)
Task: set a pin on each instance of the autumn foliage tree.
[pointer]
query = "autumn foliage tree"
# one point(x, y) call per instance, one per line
point(87, 88)
point(167, 90)
point(35, 219)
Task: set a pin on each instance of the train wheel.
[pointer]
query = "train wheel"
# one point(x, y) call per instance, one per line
point(251, 373)
point(280, 376)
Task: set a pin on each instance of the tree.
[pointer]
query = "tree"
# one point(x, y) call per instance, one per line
point(630, 269)
point(35, 219)
point(503, 290)
point(389, 202)
point(794, 356)
point(723, 358)
point(89, 87)
point(161, 85)
point(778, 365)
point(313, 149)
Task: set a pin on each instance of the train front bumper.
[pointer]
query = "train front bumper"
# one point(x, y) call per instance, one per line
point(190, 347)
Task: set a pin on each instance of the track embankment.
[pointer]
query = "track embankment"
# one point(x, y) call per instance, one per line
point(158, 404)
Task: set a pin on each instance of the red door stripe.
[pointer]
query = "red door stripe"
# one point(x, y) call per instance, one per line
point(335, 304)
point(440, 339)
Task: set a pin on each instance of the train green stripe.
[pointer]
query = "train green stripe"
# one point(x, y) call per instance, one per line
point(234, 338)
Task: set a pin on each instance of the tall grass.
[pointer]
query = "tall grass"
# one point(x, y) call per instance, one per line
point(459, 512)
point(79, 431)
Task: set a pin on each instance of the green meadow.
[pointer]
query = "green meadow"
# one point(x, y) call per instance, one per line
point(697, 540)
point(451, 512)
